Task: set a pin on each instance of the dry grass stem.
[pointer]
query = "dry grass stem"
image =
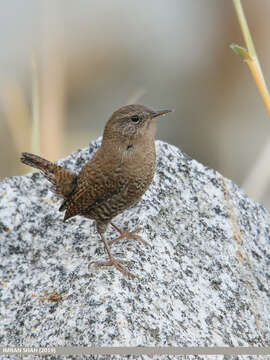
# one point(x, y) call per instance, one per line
point(18, 117)
point(135, 97)
point(35, 107)
point(256, 182)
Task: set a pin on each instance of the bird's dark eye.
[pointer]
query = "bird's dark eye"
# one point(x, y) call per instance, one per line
point(135, 118)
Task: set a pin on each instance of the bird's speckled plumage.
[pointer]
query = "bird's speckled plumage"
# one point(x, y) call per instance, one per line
point(116, 176)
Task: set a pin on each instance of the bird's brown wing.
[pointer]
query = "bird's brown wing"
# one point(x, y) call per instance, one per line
point(95, 184)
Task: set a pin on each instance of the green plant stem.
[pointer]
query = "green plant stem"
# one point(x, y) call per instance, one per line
point(244, 27)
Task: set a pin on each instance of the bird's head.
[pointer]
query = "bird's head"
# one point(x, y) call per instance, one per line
point(132, 122)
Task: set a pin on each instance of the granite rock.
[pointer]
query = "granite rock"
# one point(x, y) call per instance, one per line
point(203, 282)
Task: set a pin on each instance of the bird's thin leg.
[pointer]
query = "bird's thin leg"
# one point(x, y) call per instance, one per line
point(112, 260)
point(127, 235)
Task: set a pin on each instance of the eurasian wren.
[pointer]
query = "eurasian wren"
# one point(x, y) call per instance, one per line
point(114, 179)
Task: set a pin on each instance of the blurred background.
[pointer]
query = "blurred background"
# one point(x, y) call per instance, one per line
point(70, 64)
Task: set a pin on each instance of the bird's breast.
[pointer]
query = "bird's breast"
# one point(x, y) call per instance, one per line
point(138, 163)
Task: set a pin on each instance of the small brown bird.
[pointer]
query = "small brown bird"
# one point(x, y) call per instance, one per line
point(114, 179)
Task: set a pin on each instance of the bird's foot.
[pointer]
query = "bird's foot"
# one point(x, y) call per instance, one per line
point(127, 235)
point(116, 263)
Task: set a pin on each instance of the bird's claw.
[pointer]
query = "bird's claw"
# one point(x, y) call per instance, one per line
point(116, 263)
point(128, 235)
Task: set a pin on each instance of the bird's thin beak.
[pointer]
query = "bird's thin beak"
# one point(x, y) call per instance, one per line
point(161, 112)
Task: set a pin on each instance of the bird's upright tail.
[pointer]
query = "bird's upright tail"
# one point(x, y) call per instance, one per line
point(37, 162)
point(64, 180)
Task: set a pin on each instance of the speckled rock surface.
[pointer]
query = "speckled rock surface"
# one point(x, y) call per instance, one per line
point(203, 282)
